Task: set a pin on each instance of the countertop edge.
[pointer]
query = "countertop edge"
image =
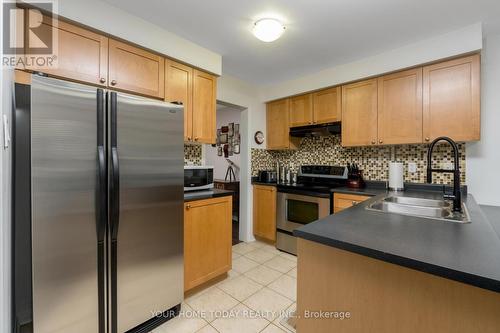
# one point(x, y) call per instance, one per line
point(206, 195)
point(463, 277)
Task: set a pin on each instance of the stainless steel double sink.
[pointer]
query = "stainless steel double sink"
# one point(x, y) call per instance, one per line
point(420, 207)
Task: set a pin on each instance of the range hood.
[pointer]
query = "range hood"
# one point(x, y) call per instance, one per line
point(316, 130)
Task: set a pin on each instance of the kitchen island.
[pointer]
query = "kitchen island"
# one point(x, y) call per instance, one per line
point(396, 273)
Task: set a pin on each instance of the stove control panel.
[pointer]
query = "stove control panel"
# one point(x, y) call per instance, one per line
point(324, 171)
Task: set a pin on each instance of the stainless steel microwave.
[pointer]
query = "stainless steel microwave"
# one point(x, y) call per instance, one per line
point(198, 177)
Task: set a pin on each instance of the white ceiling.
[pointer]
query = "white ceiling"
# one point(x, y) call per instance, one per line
point(319, 34)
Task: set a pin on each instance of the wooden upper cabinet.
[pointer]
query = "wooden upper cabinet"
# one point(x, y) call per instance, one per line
point(278, 130)
point(301, 110)
point(204, 101)
point(327, 105)
point(264, 212)
point(400, 107)
point(82, 55)
point(451, 94)
point(136, 70)
point(359, 113)
point(179, 88)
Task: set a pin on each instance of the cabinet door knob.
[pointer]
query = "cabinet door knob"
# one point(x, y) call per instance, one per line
point(189, 138)
point(188, 206)
point(354, 203)
point(113, 82)
point(380, 141)
point(102, 80)
point(196, 138)
point(373, 142)
point(427, 139)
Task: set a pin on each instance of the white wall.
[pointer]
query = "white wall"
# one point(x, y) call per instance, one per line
point(483, 157)
point(224, 117)
point(6, 77)
point(467, 39)
point(117, 22)
point(234, 91)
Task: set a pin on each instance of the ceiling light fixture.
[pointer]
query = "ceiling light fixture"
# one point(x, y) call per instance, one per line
point(268, 29)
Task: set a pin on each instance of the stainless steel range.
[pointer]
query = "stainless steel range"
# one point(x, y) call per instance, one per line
point(306, 201)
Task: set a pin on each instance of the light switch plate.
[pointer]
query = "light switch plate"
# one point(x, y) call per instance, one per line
point(412, 167)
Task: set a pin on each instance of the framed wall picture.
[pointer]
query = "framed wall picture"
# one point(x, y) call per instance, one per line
point(236, 129)
point(230, 131)
point(223, 138)
point(217, 138)
point(236, 148)
point(219, 150)
point(259, 137)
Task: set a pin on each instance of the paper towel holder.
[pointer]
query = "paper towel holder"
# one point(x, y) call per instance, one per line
point(396, 177)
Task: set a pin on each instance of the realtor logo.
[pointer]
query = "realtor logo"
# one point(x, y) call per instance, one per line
point(29, 35)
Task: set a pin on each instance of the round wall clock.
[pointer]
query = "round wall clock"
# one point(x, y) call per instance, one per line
point(259, 137)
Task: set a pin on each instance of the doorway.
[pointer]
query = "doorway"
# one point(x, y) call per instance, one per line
point(225, 157)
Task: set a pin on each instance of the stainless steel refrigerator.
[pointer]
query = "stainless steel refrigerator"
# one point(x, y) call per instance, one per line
point(98, 209)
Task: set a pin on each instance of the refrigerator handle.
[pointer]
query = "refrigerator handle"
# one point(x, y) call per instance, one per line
point(115, 172)
point(101, 209)
point(101, 187)
point(115, 193)
point(101, 197)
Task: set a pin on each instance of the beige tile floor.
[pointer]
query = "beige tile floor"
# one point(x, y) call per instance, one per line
point(257, 295)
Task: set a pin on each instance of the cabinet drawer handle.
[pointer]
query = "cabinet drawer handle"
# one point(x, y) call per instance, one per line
point(102, 80)
point(113, 83)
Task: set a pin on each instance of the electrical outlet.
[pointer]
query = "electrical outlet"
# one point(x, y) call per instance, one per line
point(412, 167)
point(448, 166)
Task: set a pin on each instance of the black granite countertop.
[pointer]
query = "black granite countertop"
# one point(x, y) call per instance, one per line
point(493, 215)
point(256, 182)
point(205, 194)
point(469, 253)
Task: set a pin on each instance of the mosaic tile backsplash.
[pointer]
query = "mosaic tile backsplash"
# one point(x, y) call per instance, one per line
point(192, 154)
point(374, 161)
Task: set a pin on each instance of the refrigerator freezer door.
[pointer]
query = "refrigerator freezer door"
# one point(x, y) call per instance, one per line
point(148, 250)
point(64, 227)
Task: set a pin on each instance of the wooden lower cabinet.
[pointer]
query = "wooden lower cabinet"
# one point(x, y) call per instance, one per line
point(207, 240)
point(384, 297)
point(264, 212)
point(343, 201)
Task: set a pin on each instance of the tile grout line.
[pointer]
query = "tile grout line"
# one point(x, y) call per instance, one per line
point(262, 286)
